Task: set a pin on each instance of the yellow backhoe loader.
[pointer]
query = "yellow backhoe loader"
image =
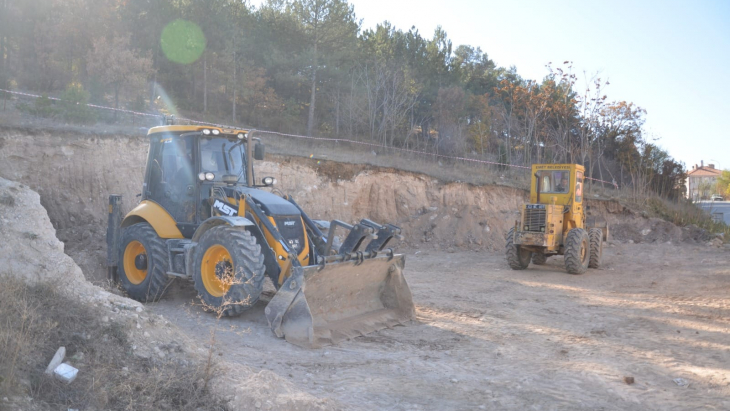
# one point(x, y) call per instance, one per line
point(202, 217)
point(555, 222)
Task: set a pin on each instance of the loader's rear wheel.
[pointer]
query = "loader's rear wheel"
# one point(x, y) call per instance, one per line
point(577, 251)
point(595, 236)
point(539, 258)
point(143, 267)
point(517, 257)
point(228, 270)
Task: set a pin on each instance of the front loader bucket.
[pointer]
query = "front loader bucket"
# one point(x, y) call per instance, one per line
point(321, 305)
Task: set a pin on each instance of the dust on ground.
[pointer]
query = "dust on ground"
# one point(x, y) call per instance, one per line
point(487, 337)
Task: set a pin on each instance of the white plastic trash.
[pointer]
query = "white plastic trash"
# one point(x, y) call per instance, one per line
point(56, 361)
point(65, 373)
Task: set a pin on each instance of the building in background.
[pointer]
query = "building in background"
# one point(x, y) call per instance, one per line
point(701, 181)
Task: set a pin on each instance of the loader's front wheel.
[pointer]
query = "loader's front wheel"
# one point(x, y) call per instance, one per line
point(143, 268)
point(595, 235)
point(517, 257)
point(539, 258)
point(228, 270)
point(577, 251)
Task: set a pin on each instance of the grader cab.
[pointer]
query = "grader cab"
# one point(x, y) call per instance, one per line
point(554, 222)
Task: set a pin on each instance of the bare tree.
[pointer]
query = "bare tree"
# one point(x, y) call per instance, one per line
point(117, 66)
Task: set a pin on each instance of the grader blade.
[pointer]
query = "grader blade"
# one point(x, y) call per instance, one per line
point(321, 305)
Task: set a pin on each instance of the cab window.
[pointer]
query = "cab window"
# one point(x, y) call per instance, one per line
point(578, 186)
point(222, 156)
point(554, 182)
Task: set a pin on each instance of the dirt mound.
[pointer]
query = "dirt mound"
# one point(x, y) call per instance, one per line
point(29, 249)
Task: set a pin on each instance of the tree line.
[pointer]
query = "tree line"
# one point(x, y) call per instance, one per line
point(308, 67)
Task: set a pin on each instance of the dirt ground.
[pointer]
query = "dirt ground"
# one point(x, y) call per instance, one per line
point(487, 337)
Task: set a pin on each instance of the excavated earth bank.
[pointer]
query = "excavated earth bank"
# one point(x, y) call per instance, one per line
point(74, 173)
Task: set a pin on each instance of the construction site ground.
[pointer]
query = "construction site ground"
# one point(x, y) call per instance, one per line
point(485, 336)
point(488, 337)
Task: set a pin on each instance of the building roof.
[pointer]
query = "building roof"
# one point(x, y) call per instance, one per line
point(705, 172)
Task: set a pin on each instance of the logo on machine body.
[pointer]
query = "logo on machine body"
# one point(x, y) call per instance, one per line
point(224, 208)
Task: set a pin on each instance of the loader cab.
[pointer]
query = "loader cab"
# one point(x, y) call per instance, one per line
point(184, 163)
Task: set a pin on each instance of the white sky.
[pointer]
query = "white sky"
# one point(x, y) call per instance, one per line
point(670, 57)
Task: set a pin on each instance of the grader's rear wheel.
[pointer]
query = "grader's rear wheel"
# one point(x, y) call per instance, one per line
point(539, 258)
point(143, 258)
point(228, 270)
point(577, 251)
point(595, 235)
point(517, 257)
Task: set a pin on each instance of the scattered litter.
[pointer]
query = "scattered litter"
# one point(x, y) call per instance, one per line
point(56, 361)
point(65, 373)
point(681, 382)
point(629, 380)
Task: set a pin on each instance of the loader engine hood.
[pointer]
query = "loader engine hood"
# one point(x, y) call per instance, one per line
point(271, 204)
point(286, 216)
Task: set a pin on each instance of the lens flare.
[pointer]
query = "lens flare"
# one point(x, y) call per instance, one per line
point(182, 41)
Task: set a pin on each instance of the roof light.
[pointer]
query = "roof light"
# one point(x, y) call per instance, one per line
point(216, 132)
point(241, 136)
point(206, 131)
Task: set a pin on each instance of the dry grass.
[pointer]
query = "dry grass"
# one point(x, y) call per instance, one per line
point(443, 169)
point(684, 213)
point(36, 320)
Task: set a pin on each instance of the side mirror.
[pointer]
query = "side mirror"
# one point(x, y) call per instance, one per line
point(258, 151)
point(269, 181)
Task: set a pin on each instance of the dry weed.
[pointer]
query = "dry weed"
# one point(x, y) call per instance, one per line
point(36, 320)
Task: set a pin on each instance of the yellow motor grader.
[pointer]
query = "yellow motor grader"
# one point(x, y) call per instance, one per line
point(554, 222)
point(203, 218)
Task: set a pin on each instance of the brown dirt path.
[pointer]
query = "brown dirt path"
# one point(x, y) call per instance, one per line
point(488, 337)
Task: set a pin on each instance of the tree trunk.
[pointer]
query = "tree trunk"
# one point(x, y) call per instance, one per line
point(116, 99)
point(337, 112)
point(154, 77)
point(3, 26)
point(205, 83)
point(312, 97)
point(235, 86)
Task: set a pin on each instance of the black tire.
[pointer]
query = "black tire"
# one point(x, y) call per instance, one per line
point(153, 258)
point(517, 257)
point(539, 258)
point(247, 266)
point(577, 251)
point(595, 236)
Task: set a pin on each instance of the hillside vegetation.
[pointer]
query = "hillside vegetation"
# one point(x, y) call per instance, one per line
point(307, 67)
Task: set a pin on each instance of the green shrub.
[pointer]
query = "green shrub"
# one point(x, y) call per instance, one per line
point(74, 106)
point(43, 107)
